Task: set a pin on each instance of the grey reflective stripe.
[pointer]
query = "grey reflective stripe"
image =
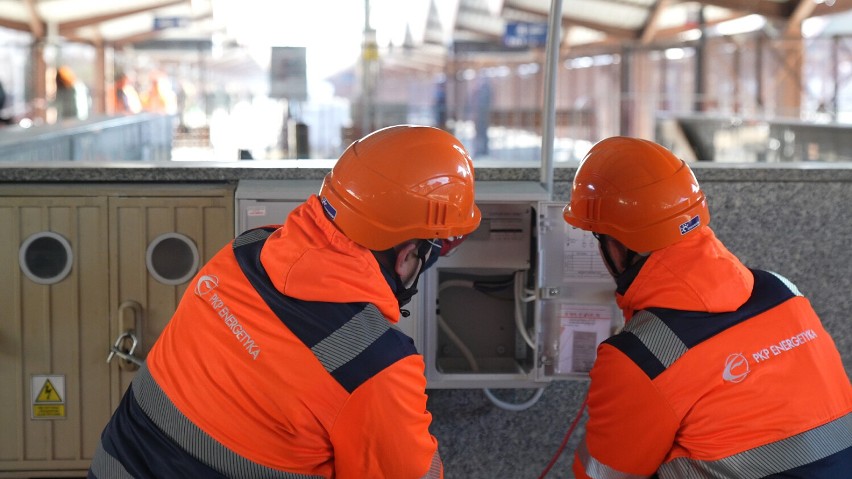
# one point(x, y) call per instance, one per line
point(598, 470)
point(657, 337)
point(252, 236)
point(792, 452)
point(105, 466)
point(201, 446)
point(434, 468)
point(787, 283)
point(351, 339)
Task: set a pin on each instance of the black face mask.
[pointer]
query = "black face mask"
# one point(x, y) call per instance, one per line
point(624, 274)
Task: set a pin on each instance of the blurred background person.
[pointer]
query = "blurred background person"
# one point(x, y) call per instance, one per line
point(4, 119)
point(160, 97)
point(72, 96)
point(126, 96)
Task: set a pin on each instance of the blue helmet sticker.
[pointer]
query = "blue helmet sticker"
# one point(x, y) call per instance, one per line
point(690, 225)
point(329, 210)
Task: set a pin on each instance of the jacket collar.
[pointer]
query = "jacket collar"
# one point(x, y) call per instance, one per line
point(696, 274)
point(308, 258)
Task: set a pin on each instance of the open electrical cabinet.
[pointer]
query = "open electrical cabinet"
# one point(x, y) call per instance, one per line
point(524, 300)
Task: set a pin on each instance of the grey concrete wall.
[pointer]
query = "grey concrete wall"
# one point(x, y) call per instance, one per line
point(795, 222)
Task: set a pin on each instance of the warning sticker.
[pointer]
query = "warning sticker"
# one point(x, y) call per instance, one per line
point(48, 394)
point(256, 211)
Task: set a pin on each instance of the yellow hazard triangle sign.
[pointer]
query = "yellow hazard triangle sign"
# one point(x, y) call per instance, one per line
point(48, 393)
point(48, 396)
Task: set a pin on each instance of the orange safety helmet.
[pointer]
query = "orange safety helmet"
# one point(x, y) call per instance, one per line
point(65, 76)
point(399, 183)
point(637, 192)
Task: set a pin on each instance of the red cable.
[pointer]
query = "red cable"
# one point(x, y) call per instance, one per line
point(565, 440)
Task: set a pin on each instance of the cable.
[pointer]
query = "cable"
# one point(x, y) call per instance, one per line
point(526, 295)
point(510, 406)
point(519, 323)
point(565, 439)
point(462, 283)
point(519, 316)
point(459, 344)
point(466, 352)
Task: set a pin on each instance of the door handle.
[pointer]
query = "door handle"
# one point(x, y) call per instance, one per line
point(129, 323)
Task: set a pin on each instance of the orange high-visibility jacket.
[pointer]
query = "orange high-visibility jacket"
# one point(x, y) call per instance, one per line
point(281, 361)
point(720, 372)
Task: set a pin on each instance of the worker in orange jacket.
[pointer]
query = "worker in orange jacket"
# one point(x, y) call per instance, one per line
point(282, 359)
point(720, 371)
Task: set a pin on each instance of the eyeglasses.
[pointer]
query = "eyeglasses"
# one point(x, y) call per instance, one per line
point(449, 245)
point(603, 239)
point(430, 250)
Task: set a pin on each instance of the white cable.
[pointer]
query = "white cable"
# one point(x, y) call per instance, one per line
point(471, 359)
point(466, 352)
point(529, 294)
point(522, 406)
point(519, 317)
point(455, 282)
point(459, 344)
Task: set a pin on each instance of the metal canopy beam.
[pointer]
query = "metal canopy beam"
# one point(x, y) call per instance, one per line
point(70, 26)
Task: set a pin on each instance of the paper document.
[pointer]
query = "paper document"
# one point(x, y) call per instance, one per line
point(582, 328)
point(582, 260)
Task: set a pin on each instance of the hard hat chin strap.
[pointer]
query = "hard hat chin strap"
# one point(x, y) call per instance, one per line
point(625, 279)
point(427, 255)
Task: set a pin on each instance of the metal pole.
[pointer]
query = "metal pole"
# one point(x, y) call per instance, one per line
point(369, 61)
point(626, 89)
point(548, 121)
point(700, 103)
point(835, 72)
point(365, 115)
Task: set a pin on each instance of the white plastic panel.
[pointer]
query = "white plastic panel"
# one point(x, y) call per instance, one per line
point(473, 308)
point(576, 309)
point(268, 202)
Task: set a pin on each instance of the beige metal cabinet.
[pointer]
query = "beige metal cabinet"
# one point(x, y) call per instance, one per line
point(81, 266)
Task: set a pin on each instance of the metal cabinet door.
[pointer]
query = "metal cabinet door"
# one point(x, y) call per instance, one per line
point(152, 243)
point(576, 307)
point(54, 310)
